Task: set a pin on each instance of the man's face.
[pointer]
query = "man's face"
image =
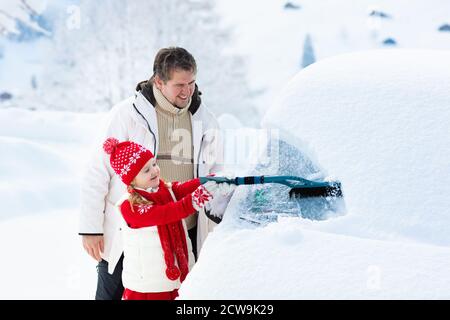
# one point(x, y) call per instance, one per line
point(179, 89)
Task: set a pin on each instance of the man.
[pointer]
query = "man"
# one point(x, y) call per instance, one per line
point(166, 116)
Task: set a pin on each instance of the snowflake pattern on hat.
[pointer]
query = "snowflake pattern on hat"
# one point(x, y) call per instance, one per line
point(127, 158)
point(131, 160)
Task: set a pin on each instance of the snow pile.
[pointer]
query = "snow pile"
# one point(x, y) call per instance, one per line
point(43, 257)
point(42, 159)
point(43, 154)
point(379, 122)
point(283, 261)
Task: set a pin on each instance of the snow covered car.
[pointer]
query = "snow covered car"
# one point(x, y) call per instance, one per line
point(378, 121)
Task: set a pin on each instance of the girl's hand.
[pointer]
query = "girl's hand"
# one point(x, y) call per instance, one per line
point(200, 197)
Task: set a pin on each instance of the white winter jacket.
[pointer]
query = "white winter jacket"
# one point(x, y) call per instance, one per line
point(135, 119)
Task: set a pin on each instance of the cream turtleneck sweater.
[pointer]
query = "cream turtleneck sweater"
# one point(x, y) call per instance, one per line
point(175, 151)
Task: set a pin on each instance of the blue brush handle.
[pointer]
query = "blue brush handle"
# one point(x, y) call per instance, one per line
point(237, 181)
point(203, 180)
point(290, 181)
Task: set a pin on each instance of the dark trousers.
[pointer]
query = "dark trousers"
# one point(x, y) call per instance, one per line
point(192, 233)
point(110, 287)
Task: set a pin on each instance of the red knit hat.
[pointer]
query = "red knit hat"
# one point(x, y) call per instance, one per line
point(127, 158)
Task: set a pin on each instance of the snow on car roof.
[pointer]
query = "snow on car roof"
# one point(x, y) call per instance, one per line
point(379, 122)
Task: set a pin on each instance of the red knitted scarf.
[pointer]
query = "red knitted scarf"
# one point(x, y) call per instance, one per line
point(171, 235)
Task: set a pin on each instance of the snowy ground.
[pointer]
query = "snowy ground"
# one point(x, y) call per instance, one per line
point(43, 258)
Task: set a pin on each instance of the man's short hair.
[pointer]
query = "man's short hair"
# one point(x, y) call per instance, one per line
point(170, 59)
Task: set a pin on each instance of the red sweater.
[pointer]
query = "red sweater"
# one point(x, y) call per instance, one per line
point(163, 210)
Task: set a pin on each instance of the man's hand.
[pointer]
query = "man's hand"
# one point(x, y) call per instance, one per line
point(93, 246)
point(222, 189)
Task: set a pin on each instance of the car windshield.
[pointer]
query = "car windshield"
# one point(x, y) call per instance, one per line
point(266, 203)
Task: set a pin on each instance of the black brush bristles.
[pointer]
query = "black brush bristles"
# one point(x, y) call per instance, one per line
point(333, 190)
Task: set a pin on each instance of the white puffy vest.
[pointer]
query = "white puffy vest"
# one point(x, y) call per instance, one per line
point(144, 267)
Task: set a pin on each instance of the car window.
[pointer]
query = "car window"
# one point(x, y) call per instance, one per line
point(265, 203)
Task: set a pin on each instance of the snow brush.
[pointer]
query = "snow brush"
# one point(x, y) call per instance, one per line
point(300, 187)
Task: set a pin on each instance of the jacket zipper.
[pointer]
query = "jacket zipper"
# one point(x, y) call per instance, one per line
point(150, 129)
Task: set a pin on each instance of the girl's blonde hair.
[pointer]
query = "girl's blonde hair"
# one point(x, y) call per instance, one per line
point(136, 199)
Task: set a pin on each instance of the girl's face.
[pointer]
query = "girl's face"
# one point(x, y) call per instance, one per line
point(148, 177)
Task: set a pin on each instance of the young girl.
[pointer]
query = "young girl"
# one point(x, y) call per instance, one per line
point(157, 251)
